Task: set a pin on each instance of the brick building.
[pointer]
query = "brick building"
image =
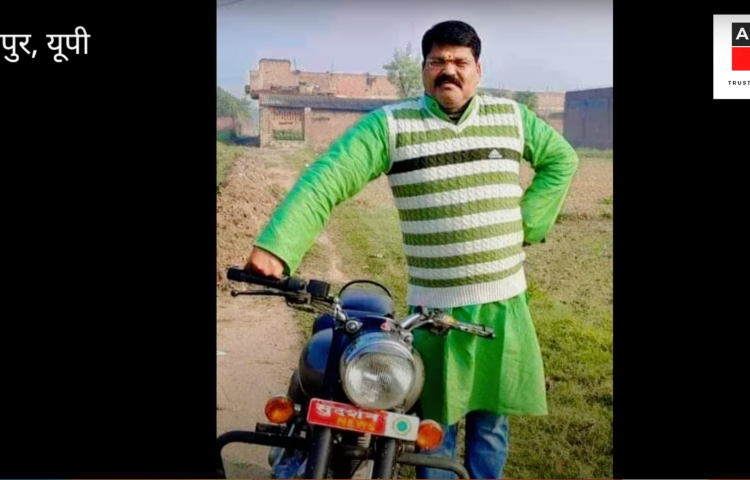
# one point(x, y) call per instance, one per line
point(277, 76)
point(316, 120)
point(312, 107)
point(589, 117)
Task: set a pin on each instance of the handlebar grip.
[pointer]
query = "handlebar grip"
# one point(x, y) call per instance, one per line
point(288, 284)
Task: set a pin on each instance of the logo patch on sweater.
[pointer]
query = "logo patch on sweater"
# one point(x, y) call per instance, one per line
point(494, 154)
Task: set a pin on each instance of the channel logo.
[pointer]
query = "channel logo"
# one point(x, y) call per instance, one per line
point(731, 57)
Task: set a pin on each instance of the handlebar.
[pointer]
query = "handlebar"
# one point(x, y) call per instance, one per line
point(301, 291)
point(287, 284)
point(296, 290)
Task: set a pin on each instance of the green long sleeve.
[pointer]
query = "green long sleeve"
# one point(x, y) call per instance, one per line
point(351, 162)
point(555, 162)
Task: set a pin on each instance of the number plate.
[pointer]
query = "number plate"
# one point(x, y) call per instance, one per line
point(376, 422)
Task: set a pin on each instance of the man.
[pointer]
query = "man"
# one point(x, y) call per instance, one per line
point(452, 158)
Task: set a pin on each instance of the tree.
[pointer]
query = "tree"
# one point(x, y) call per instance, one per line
point(529, 99)
point(405, 72)
point(227, 105)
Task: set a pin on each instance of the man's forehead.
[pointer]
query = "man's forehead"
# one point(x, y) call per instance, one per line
point(450, 51)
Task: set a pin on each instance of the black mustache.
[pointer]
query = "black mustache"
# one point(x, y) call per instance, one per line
point(449, 79)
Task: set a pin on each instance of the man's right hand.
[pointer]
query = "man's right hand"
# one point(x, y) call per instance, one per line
point(265, 263)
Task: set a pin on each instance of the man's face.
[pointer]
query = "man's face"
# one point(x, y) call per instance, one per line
point(451, 75)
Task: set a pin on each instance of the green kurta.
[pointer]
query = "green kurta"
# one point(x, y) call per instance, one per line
point(463, 373)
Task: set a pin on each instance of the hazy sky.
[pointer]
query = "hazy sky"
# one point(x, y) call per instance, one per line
point(538, 44)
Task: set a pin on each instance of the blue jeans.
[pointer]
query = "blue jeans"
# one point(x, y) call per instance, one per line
point(486, 447)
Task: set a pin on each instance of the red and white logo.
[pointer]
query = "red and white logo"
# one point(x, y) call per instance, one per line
point(731, 57)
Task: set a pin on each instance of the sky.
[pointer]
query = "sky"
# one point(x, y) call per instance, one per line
point(533, 44)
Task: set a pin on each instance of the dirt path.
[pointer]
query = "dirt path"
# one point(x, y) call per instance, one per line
point(258, 338)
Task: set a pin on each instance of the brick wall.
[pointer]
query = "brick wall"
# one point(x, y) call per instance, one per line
point(318, 127)
point(277, 72)
point(253, 81)
point(356, 85)
point(280, 121)
point(549, 102)
point(245, 128)
point(316, 83)
point(224, 123)
point(324, 126)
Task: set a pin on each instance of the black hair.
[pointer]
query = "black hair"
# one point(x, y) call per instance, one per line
point(452, 32)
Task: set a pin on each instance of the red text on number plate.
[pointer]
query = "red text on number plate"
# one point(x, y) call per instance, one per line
point(346, 417)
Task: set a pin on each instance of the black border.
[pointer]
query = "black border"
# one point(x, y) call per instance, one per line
point(108, 331)
point(678, 360)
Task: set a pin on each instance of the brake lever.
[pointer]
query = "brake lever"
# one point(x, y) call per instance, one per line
point(478, 330)
point(436, 326)
point(447, 322)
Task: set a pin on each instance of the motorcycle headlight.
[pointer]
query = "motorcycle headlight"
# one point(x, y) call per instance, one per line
point(379, 372)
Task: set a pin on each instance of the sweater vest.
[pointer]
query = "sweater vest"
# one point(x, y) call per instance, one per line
point(458, 193)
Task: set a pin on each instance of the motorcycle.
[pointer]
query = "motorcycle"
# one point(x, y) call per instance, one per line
point(353, 400)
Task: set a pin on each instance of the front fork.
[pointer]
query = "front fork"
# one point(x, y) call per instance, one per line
point(320, 453)
point(322, 437)
point(386, 450)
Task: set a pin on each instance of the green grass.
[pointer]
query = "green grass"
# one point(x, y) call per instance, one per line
point(301, 158)
point(369, 243)
point(570, 281)
point(575, 439)
point(225, 156)
point(594, 154)
point(608, 209)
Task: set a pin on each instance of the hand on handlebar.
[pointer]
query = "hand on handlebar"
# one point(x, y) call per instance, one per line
point(265, 263)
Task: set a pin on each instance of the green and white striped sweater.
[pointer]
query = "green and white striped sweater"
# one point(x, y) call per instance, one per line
point(458, 192)
point(464, 214)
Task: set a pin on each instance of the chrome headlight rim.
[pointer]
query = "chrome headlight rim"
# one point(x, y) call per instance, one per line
point(384, 343)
